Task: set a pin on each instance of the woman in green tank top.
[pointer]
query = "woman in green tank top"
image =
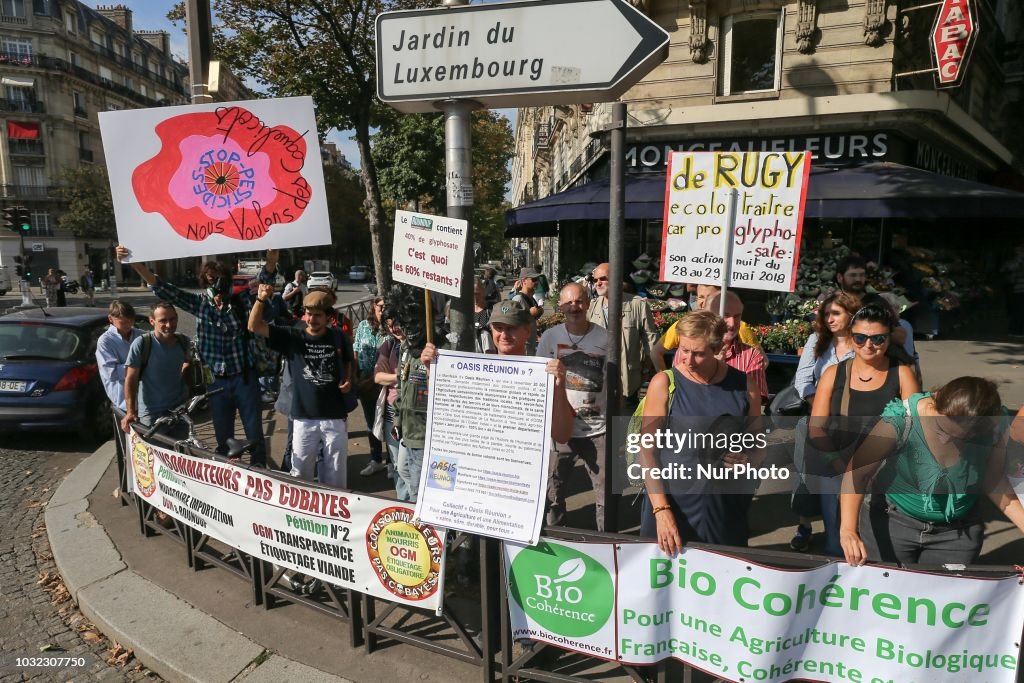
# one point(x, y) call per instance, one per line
point(936, 452)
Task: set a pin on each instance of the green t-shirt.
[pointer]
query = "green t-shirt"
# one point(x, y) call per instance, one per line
point(915, 482)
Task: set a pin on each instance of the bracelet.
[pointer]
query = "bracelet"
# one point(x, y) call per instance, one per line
point(262, 301)
point(660, 508)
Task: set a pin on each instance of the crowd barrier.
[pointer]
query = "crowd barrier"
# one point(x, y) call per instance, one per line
point(467, 629)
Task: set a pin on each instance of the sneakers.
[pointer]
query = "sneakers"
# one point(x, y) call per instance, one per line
point(801, 540)
point(373, 468)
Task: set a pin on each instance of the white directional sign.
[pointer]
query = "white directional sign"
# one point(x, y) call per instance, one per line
point(515, 54)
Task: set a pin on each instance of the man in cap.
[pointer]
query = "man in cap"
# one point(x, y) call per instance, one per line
point(525, 288)
point(582, 347)
point(639, 334)
point(320, 361)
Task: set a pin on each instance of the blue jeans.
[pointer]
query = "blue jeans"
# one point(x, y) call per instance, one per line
point(242, 396)
point(392, 443)
point(407, 483)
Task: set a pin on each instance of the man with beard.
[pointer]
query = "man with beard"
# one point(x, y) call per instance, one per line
point(851, 275)
point(582, 347)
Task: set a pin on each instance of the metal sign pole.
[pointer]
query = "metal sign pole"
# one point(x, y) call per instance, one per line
point(730, 243)
point(458, 163)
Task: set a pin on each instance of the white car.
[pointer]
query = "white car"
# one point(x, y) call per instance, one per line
point(322, 279)
point(360, 274)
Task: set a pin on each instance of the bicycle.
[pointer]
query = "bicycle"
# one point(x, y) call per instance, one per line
point(183, 414)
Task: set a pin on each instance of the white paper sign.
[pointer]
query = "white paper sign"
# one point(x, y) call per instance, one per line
point(371, 545)
point(772, 191)
point(742, 621)
point(428, 251)
point(488, 440)
point(216, 178)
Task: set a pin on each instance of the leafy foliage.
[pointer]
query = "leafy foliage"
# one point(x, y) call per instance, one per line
point(90, 209)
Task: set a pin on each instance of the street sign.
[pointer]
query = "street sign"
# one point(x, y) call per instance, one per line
point(952, 38)
point(38, 246)
point(515, 54)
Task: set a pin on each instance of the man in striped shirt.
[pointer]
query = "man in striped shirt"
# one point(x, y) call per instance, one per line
point(735, 353)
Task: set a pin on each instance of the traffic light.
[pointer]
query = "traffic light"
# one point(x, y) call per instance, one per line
point(10, 217)
point(28, 266)
point(24, 222)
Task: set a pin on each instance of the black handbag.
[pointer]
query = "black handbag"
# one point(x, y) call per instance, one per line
point(788, 403)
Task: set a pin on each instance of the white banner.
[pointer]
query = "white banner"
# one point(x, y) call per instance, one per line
point(742, 621)
point(772, 191)
point(488, 441)
point(371, 545)
point(216, 178)
point(428, 251)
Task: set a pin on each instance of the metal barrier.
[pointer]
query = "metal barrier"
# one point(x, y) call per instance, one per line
point(480, 635)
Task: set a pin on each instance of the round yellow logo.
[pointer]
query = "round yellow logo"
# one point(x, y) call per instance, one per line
point(142, 463)
point(406, 555)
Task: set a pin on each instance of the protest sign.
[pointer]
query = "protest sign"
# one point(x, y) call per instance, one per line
point(742, 621)
point(771, 191)
point(216, 178)
point(428, 251)
point(486, 450)
point(371, 545)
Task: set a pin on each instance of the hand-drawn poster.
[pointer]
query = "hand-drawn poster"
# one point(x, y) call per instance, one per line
point(216, 178)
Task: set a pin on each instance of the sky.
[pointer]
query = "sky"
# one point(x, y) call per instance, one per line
point(152, 15)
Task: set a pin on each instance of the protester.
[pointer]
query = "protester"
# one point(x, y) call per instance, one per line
point(670, 340)
point(492, 292)
point(112, 349)
point(156, 363)
point(852, 275)
point(321, 365)
point(524, 295)
point(639, 334)
point(295, 291)
point(736, 354)
point(698, 510)
point(930, 456)
point(370, 334)
point(582, 346)
point(482, 342)
point(225, 347)
point(859, 387)
point(827, 345)
point(386, 375)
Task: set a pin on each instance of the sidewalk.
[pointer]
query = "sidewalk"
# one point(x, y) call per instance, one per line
point(203, 626)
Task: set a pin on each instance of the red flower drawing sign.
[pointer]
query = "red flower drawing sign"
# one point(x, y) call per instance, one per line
point(224, 172)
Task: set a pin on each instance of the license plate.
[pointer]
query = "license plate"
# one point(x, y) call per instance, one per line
point(11, 385)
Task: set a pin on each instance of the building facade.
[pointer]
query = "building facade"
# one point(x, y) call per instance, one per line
point(849, 80)
point(61, 63)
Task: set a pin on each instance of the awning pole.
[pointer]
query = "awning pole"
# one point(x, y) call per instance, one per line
point(616, 272)
point(730, 239)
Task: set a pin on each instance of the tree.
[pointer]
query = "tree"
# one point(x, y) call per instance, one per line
point(90, 209)
point(322, 48)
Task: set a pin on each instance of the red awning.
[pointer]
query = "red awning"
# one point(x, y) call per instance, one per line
point(22, 130)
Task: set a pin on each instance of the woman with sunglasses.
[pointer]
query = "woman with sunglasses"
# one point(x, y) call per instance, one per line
point(829, 344)
point(937, 451)
point(858, 387)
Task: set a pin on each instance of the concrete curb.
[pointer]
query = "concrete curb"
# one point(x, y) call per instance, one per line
point(168, 635)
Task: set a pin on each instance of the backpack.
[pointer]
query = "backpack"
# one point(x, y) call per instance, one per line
point(636, 424)
point(193, 378)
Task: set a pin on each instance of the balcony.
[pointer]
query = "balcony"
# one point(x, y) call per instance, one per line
point(24, 191)
point(23, 106)
point(26, 147)
point(85, 155)
point(9, 19)
point(17, 59)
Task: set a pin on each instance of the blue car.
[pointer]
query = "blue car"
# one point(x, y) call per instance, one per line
point(49, 380)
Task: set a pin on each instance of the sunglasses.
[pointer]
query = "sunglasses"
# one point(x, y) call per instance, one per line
point(875, 339)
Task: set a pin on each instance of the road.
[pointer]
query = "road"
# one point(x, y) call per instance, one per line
point(37, 618)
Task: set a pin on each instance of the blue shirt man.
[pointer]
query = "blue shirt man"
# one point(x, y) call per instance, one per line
point(112, 349)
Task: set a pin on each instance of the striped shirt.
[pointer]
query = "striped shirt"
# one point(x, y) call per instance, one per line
point(224, 342)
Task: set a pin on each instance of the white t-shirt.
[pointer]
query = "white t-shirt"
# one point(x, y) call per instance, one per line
point(584, 378)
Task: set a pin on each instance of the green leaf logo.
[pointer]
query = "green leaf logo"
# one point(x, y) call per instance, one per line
point(565, 591)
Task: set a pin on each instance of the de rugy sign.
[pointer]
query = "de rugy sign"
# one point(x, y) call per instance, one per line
point(515, 54)
point(952, 40)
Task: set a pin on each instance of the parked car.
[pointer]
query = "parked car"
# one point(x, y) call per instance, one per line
point(360, 274)
point(499, 277)
point(322, 278)
point(48, 374)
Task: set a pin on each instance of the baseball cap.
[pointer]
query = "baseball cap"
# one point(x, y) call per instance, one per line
point(510, 313)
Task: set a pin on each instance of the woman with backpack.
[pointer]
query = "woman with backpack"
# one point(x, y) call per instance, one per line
point(934, 454)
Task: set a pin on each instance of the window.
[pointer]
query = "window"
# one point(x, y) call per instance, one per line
point(69, 22)
point(752, 46)
point(41, 7)
point(79, 101)
point(41, 224)
point(20, 98)
point(16, 50)
point(31, 180)
point(142, 90)
point(13, 8)
point(96, 36)
point(73, 58)
point(105, 73)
